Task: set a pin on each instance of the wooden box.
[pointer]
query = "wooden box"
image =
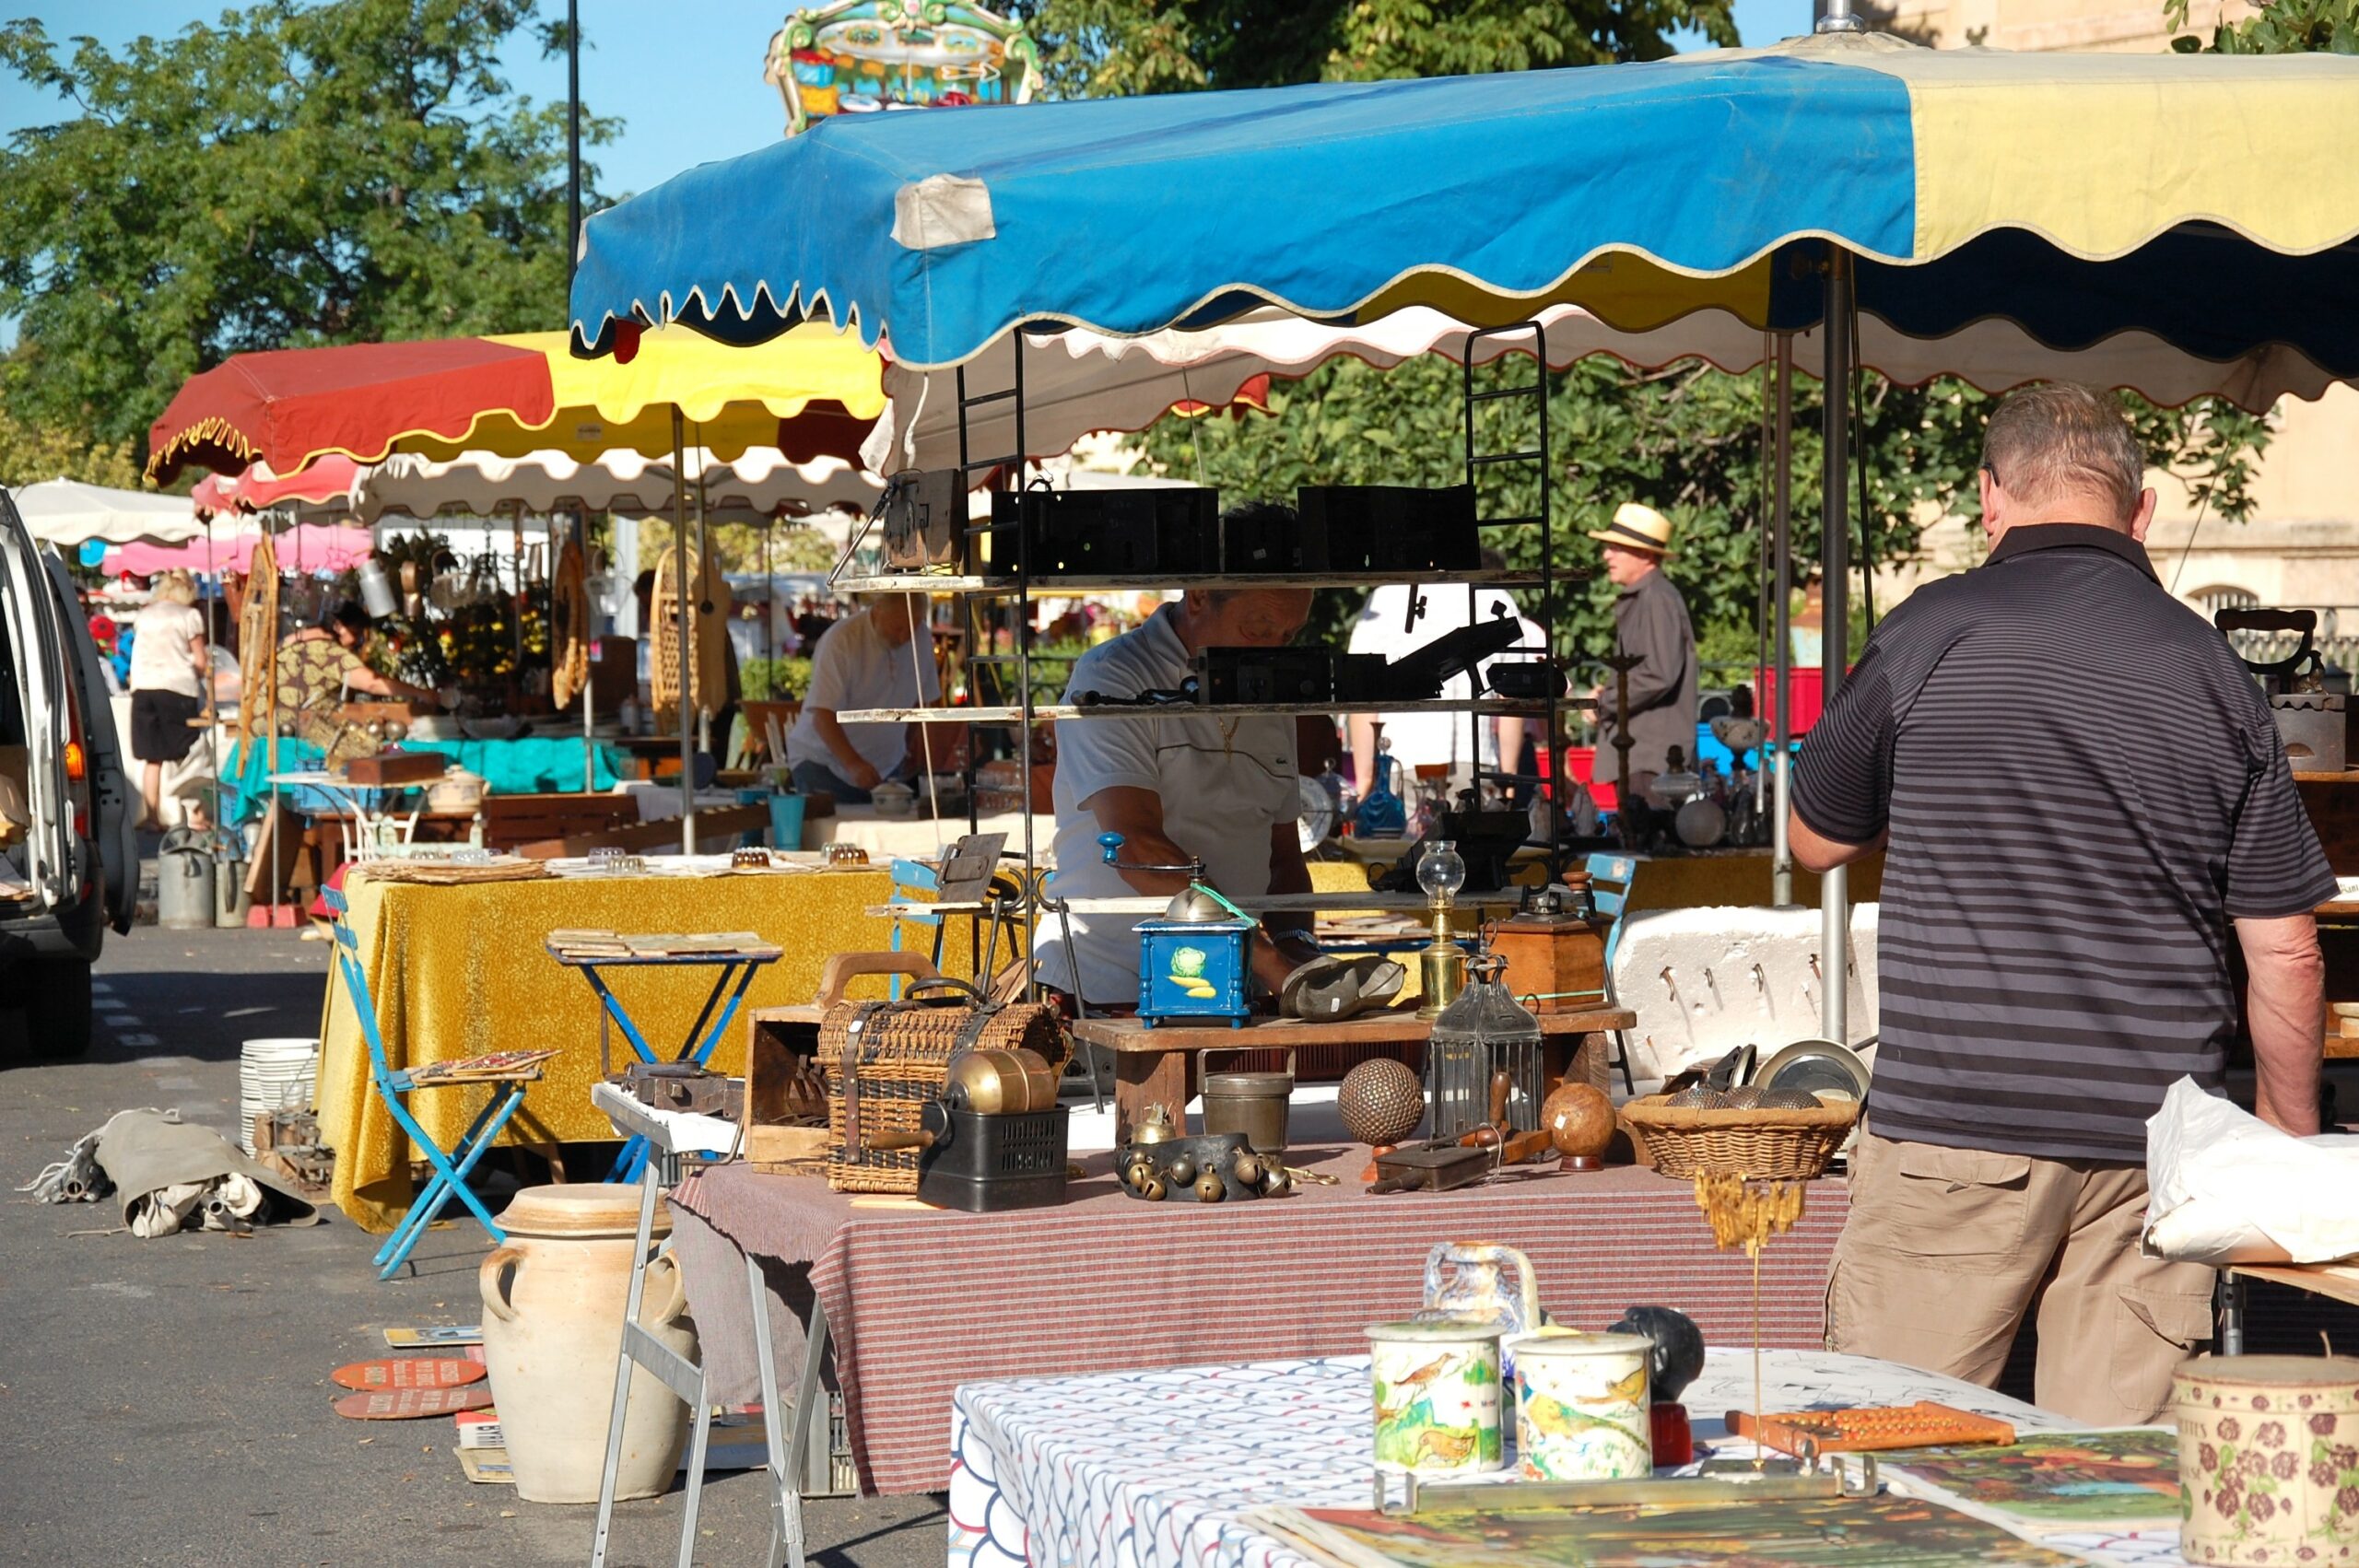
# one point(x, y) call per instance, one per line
point(393, 768)
point(1555, 963)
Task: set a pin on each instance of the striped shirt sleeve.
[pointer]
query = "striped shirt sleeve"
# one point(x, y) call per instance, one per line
point(1843, 778)
point(2275, 866)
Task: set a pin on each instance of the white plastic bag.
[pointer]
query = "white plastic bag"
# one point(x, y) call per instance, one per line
point(2228, 1188)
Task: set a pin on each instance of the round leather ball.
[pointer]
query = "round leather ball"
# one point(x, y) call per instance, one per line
point(1381, 1101)
point(1580, 1119)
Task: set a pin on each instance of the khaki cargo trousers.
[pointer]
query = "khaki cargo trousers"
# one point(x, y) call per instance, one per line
point(1946, 1249)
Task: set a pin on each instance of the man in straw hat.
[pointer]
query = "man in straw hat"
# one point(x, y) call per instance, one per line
point(1650, 624)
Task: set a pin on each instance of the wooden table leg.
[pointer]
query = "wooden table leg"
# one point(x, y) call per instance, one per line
point(1150, 1078)
point(1590, 1063)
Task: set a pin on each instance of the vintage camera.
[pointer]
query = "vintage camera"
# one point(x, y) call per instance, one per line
point(1375, 528)
point(1226, 675)
point(1163, 532)
point(1525, 680)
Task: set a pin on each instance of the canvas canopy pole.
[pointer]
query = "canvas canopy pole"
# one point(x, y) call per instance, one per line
point(1835, 568)
point(1781, 591)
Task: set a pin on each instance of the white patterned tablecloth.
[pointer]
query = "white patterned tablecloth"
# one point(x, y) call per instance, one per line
point(1151, 1469)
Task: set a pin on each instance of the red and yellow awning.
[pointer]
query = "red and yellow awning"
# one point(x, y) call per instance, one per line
point(512, 395)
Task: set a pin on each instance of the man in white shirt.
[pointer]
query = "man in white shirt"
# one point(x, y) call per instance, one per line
point(1443, 739)
point(871, 659)
point(1182, 785)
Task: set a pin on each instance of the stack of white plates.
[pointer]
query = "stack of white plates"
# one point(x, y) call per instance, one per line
point(273, 1075)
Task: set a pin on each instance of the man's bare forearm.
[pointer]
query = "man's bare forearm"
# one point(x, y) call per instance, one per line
point(2285, 1010)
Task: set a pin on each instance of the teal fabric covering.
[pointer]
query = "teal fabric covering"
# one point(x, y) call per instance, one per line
point(529, 765)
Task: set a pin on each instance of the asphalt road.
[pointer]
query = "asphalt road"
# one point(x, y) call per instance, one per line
point(167, 1401)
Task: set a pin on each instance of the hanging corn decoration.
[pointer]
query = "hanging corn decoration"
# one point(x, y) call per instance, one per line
point(570, 637)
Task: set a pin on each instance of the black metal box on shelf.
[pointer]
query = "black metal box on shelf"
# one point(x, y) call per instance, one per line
point(1365, 677)
point(1259, 541)
point(1375, 528)
point(1168, 531)
point(1226, 675)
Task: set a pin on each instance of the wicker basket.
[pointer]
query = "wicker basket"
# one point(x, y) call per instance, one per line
point(885, 1061)
point(1686, 1142)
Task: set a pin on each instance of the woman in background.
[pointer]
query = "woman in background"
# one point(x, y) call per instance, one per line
point(169, 663)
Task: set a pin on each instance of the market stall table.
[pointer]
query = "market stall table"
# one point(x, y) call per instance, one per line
point(1152, 1469)
point(918, 1301)
point(461, 970)
point(1157, 1066)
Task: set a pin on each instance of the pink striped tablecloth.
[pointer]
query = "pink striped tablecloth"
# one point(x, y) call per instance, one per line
point(920, 1301)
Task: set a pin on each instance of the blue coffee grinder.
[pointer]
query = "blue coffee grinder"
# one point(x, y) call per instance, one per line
point(1196, 962)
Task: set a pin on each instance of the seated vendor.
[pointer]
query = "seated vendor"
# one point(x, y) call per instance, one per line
point(1175, 787)
point(872, 659)
point(316, 665)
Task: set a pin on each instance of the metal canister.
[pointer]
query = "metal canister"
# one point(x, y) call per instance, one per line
point(185, 881)
point(2266, 1471)
point(1253, 1104)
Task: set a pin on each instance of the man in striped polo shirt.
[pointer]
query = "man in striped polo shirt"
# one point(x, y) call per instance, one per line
point(2083, 802)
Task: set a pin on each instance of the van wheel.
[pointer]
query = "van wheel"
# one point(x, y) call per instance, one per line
point(57, 1009)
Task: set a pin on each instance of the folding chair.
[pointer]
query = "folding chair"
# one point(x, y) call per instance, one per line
point(451, 1166)
point(1609, 890)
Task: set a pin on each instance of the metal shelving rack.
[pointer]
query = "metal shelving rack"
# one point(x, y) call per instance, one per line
point(988, 597)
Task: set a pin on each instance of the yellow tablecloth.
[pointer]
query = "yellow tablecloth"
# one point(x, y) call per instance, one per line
point(459, 971)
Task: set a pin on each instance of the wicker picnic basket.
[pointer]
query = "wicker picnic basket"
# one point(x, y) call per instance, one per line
point(885, 1061)
point(1768, 1145)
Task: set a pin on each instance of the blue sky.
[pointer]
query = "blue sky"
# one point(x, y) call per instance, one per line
point(688, 91)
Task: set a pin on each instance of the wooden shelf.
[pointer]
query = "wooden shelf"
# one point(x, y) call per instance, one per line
point(1279, 904)
point(1051, 587)
point(1489, 706)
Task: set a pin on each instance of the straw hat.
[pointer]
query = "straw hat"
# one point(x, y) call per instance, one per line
point(1636, 528)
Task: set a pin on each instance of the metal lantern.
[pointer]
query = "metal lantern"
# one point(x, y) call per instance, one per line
point(1485, 1033)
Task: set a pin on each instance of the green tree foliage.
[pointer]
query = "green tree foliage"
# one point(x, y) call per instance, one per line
point(1686, 441)
point(292, 174)
point(1112, 47)
point(2280, 27)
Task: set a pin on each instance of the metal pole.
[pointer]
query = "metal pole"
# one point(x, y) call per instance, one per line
point(1781, 527)
point(1834, 567)
point(572, 138)
point(680, 588)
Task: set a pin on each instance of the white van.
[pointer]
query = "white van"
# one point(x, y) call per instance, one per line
point(69, 859)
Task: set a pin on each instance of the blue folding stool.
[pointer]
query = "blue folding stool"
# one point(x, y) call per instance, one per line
point(451, 1166)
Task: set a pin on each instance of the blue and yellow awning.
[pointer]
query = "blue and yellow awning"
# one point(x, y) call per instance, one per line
point(2210, 201)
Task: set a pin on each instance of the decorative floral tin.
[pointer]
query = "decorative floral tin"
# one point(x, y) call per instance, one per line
point(2267, 1459)
point(1582, 1408)
point(1436, 1397)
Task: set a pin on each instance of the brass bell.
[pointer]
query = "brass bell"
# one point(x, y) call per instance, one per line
point(1153, 1127)
point(1210, 1188)
point(1276, 1182)
point(1182, 1170)
point(1247, 1166)
point(1151, 1187)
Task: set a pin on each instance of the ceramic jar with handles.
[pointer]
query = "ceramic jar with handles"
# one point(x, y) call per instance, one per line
point(1437, 1386)
point(552, 1298)
point(2268, 1458)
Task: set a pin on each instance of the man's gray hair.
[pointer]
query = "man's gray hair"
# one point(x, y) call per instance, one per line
point(2058, 440)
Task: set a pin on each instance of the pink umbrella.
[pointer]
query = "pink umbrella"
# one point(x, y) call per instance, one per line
point(325, 486)
point(308, 547)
